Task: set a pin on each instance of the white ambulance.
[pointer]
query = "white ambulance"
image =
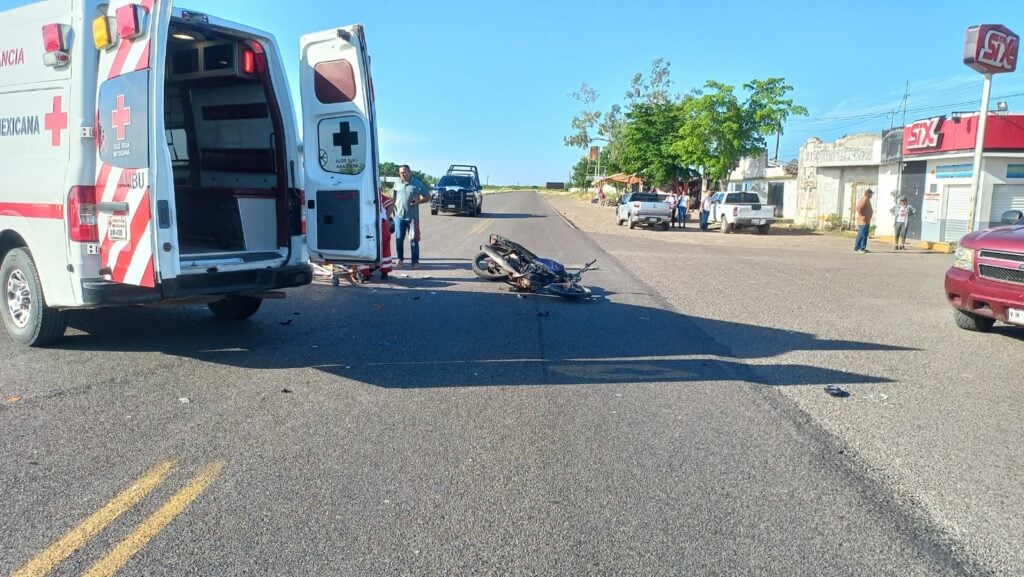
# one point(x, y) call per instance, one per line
point(151, 155)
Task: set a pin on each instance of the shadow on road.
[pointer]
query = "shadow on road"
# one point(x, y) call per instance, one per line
point(417, 336)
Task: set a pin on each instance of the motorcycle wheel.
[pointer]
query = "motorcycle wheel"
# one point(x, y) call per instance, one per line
point(569, 291)
point(482, 266)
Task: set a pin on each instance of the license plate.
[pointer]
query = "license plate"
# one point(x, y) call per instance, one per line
point(758, 221)
point(651, 219)
point(1015, 316)
point(451, 206)
point(117, 228)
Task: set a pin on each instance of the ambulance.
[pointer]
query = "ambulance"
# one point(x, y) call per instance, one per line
point(150, 155)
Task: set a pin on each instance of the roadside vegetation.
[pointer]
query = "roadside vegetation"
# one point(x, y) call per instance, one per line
point(665, 137)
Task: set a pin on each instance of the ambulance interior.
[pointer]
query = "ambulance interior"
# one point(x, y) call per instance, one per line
point(226, 147)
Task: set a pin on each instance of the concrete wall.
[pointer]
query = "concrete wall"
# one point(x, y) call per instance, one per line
point(886, 197)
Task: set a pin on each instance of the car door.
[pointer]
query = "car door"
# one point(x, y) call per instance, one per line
point(132, 188)
point(340, 157)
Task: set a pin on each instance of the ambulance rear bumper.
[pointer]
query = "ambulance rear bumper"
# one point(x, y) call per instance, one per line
point(197, 286)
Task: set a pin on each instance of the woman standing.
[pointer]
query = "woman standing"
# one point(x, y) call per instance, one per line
point(903, 213)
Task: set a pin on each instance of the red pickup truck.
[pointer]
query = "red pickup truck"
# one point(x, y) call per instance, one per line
point(986, 281)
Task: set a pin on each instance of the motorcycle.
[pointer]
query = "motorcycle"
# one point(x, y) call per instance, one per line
point(504, 260)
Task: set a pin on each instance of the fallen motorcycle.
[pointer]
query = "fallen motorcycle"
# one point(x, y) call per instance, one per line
point(504, 260)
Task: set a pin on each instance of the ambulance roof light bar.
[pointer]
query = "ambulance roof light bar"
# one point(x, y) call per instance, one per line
point(55, 52)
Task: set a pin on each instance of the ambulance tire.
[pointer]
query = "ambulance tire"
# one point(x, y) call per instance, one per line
point(235, 307)
point(41, 325)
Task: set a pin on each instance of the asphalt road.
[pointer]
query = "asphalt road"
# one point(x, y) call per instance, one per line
point(437, 424)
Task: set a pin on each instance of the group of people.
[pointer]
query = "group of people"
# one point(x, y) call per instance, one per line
point(679, 206)
point(902, 212)
point(400, 215)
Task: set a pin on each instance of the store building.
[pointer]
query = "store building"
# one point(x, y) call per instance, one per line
point(937, 170)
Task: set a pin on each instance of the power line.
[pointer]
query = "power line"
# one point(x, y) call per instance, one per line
point(888, 112)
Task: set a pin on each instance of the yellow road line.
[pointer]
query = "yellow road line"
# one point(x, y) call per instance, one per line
point(60, 550)
point(153, 524)
point(480, 227)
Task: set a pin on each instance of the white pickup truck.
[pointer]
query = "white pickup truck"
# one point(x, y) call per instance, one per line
point(645, 208)
point(736, 210)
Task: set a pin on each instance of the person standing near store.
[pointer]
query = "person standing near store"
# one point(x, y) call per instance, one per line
point(410, 193)
point(864, 214)
point(705, 209)
point(683, 208)
point(903, 213)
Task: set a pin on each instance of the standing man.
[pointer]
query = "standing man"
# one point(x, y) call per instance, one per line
point(684, 208)
point(705, 209)
point(410, 193)
point(864, 214)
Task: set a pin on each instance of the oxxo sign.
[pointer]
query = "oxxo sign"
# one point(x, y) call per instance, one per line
point(991, 49)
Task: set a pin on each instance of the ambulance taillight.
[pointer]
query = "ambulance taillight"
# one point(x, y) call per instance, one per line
point(55, 45)
point(248, 61)
point(302, 203)
point(82, 214)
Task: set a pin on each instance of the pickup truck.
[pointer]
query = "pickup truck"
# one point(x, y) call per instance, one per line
point(986, 281)
point(736, 210)
point(645, 208)
point(458, 191)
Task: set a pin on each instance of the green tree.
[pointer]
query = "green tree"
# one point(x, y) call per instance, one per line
point(388, 169)
point(770, 108)
point(586, 120)
point(716, 129)
point(646, 142)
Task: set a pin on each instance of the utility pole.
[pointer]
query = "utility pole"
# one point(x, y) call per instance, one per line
point(903, 123)
point(979, 148)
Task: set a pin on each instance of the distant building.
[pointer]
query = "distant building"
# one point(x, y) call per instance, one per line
point(775, 183)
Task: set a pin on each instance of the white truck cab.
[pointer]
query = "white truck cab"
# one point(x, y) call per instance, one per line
point(151, 155)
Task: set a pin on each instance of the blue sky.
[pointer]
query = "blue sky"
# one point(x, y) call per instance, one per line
point(488, 83)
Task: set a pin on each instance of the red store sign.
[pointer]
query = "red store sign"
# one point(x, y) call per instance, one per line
point(941, 134)
point(991, 49)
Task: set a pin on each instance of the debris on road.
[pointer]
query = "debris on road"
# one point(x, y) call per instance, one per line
point(286, 390)
point(544, 314)
point(835, 391)
point(286, 321)
point(13, 400)
point(184, 400)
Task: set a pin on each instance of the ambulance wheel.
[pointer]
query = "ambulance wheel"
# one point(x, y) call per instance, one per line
point(25, 314)
point(433, 211)
point(235, 308)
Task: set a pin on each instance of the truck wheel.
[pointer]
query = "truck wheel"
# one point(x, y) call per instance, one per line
point(26, 316)
point(726, 227)
point(235, 308)
point(763, 228)
point(618, 220)
point(973, 322)
point(433, 211)
point(664, 226)
point(632, 223)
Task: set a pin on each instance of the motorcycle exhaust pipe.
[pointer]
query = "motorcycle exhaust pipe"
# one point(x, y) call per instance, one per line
point(499, 260)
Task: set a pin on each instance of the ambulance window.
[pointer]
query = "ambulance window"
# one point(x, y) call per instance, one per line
point(334, 82)
point(177, 144)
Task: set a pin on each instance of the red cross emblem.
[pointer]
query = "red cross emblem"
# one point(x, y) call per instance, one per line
point(122, 117)
point(56, 121)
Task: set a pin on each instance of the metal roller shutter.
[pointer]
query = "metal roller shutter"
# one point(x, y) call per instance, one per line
point(958, 206)
point(1005, 197)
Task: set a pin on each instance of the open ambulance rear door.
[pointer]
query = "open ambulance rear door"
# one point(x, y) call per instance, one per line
point(134, 195)
point(339, 131)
